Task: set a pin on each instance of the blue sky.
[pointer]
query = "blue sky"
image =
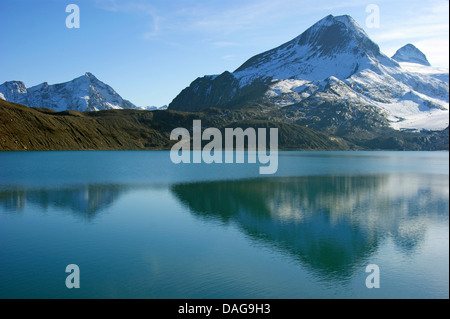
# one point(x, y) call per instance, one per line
point(148, 51)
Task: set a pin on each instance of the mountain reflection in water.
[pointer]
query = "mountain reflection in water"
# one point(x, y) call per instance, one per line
point(85, 201)
point(330, 224)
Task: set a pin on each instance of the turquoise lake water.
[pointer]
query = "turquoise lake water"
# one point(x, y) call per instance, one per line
point(139, 226)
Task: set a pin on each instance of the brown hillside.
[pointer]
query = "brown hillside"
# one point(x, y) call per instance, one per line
point(24, 128)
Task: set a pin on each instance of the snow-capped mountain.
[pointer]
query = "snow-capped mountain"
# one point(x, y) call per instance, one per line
point(85, 93)
point(409, 53)
point(13, 91)
point(331, 75)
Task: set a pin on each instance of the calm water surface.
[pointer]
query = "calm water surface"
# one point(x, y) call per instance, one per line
point(139, 226)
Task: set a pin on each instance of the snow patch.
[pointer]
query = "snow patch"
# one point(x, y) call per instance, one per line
point(441, 74)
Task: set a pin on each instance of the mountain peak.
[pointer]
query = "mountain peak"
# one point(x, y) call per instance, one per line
point(331, 19)
point(334, 46)
point(85, 81)
point(90, 75)
point(15, 91)
point(409, 53)
point(334, 34)
point(18, 86)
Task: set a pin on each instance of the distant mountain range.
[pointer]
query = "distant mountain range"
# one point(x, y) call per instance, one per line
point(329, 88)
point(85, 93)
point(332, 75)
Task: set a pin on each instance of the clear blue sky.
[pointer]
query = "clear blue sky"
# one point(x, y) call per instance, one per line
point(148, 51)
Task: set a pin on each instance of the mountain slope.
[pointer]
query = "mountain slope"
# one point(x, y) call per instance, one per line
point(332, 63)
point(24, 128)
point(334, 46)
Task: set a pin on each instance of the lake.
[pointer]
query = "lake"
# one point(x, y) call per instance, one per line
point(139, 226)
